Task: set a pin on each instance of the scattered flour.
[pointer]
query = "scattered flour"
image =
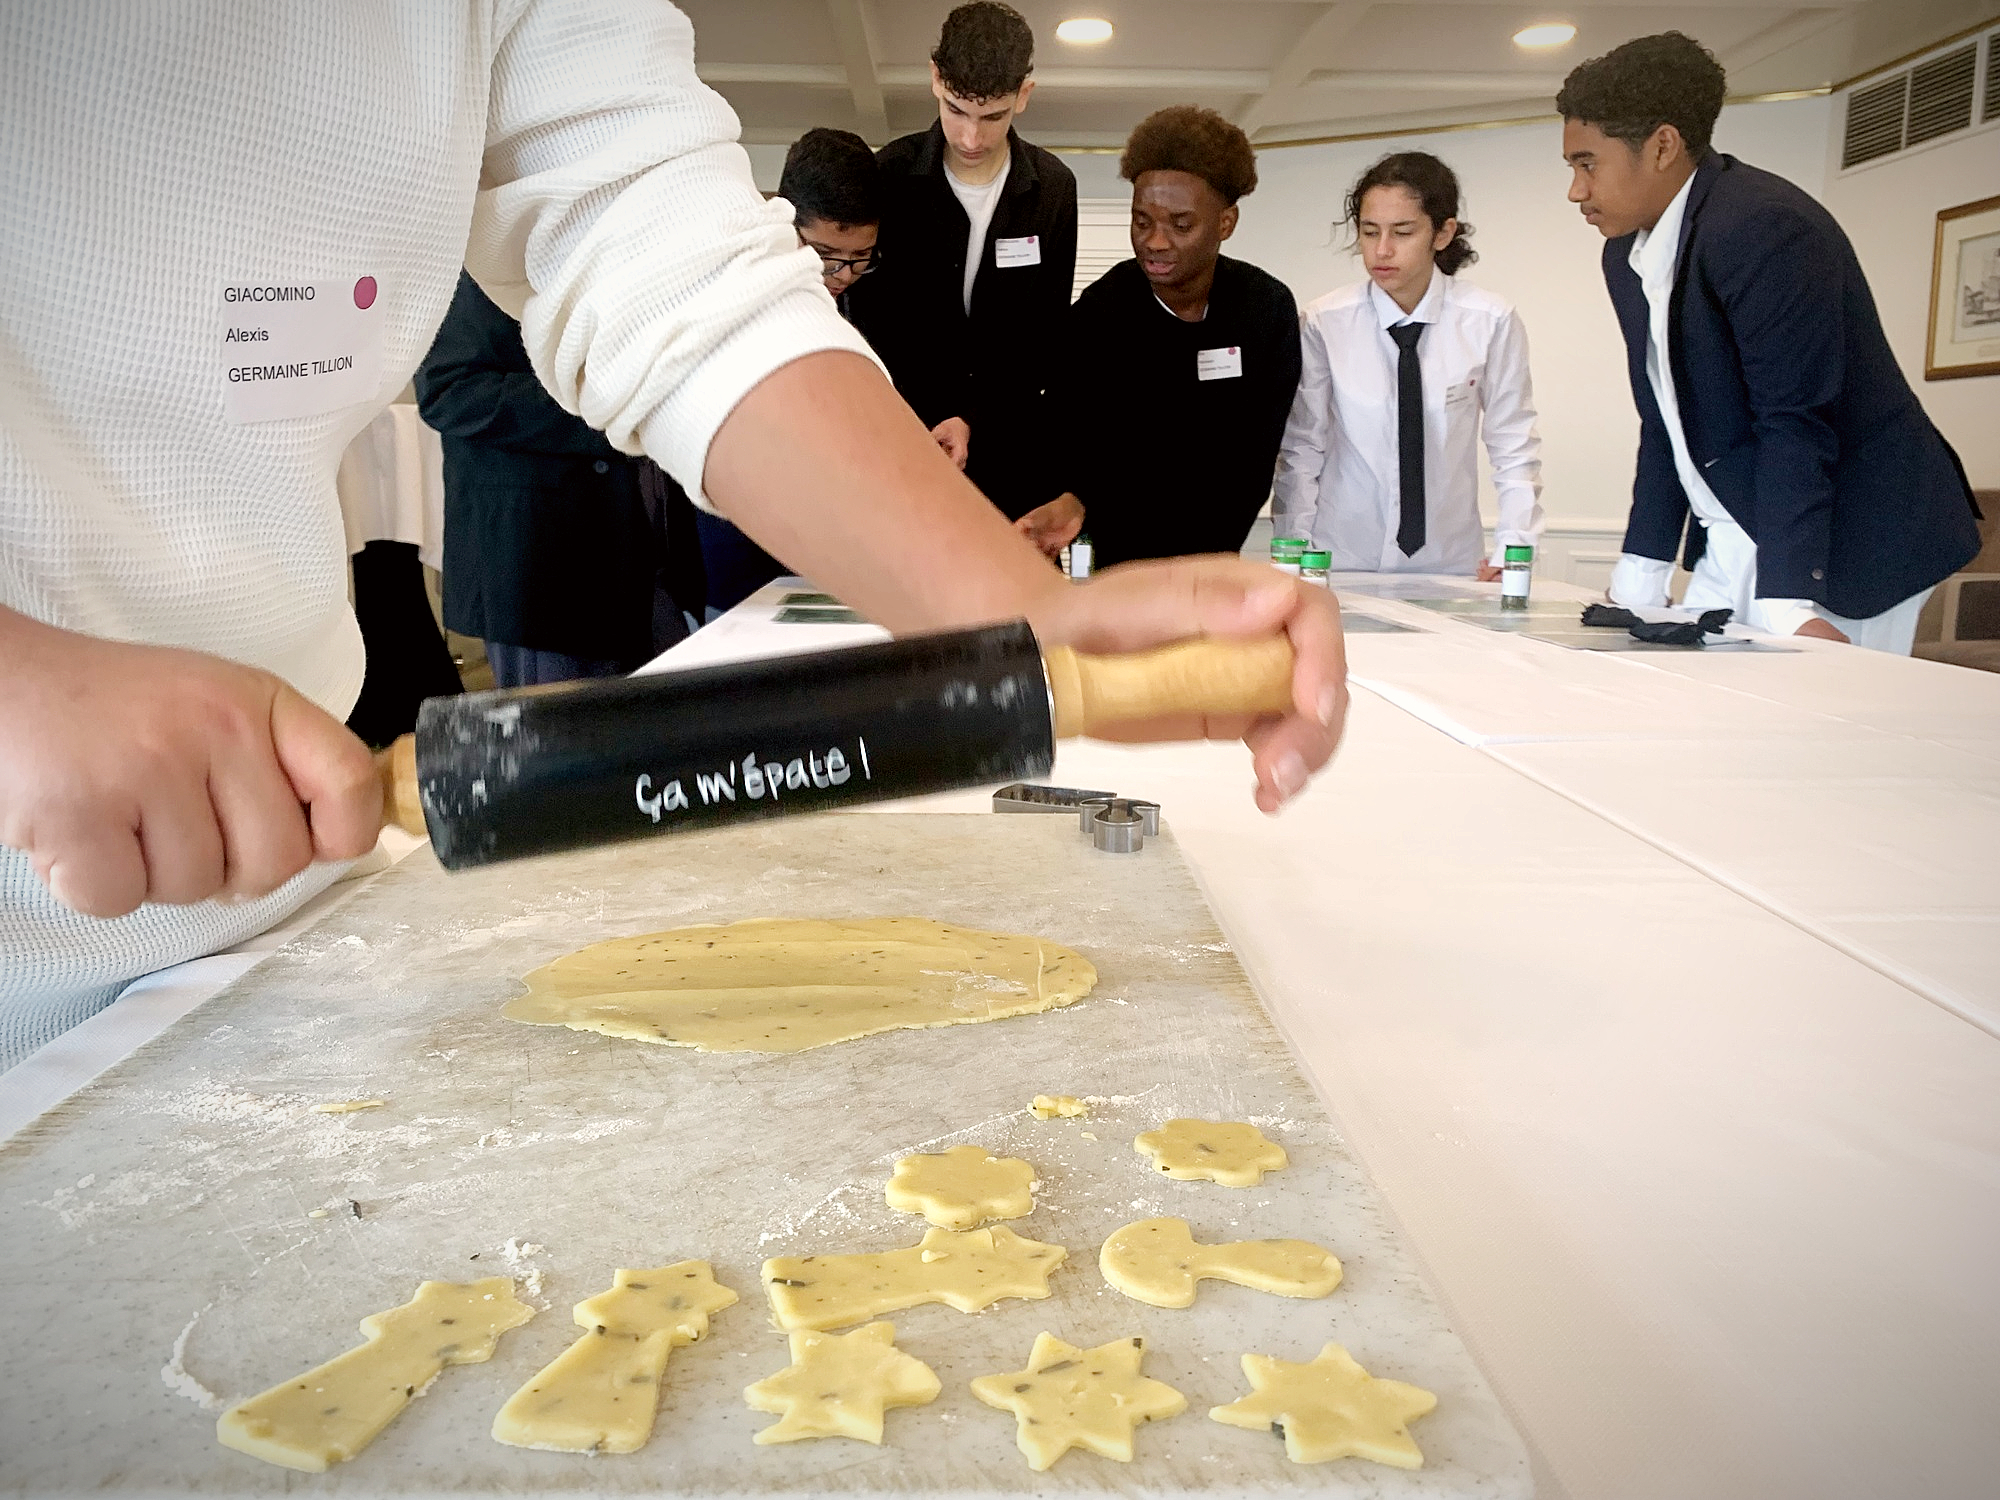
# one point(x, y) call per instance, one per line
point(174, 1373)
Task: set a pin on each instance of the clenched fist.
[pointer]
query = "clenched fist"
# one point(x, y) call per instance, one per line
point(141, 773)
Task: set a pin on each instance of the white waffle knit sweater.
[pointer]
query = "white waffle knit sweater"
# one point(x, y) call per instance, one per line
point(152, 154)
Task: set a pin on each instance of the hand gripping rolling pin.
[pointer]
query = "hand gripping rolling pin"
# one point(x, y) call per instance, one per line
point(504, 775)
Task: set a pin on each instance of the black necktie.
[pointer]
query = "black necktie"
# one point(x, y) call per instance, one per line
point(1410, 435)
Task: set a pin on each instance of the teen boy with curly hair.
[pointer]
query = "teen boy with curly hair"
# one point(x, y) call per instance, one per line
point(1181, 362)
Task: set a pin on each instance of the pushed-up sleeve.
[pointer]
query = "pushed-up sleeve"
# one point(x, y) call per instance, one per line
point(618, 219)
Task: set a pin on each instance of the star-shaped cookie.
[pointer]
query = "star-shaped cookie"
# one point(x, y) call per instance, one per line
point(962, 1188)
point(1079, 1398)
point(1330, 1408)
point(1228, 1152)
point(839, 1385)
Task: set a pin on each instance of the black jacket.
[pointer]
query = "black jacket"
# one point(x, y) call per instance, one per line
point(990, 367)
point(547, 541)
point(1791, 403)
point(1165, 462)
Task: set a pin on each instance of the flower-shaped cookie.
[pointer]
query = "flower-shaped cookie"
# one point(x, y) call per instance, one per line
point(962, 1188)
point(1233, 1154)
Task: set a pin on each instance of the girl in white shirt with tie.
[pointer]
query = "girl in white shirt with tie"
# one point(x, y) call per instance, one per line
point(1377, 465)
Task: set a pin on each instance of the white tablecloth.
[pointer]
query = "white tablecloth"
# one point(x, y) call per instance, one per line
point(1569, 945)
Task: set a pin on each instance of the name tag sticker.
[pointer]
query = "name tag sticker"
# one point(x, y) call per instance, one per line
point(1458, 395)
point(1218, 364)
point(299, 349)
point(1025, 251)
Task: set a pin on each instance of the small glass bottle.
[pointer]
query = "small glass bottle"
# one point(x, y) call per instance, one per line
point(1314, 566)
point(1516, 569)
point(1082, 556)
point(1285, 552)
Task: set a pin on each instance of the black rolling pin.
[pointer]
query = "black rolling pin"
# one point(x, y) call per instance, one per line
point(504, 775)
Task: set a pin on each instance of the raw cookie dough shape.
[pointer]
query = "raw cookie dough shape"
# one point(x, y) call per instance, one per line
point(783, 986)
point(1058, 1107)
point(1157, 1261)
point(840, 1384)
point(1330, 1408)
point(966, 1269)
point(1231, 1153)
point(333, 1411)
point(962, 1188)
point(1079, 1398)
point(600, 1395)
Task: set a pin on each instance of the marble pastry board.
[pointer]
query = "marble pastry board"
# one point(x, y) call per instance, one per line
point(163, 1257)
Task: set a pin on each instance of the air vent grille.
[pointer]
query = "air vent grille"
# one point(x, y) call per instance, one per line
point(1941, 94)
point(1990, 111)
point(1875, 121)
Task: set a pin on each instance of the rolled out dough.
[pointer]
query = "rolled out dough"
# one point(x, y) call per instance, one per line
point(776, 985)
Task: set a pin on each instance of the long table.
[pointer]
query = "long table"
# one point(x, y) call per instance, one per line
point(1658, 993)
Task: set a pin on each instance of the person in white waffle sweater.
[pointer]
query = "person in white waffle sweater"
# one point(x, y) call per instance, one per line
point(231, 229)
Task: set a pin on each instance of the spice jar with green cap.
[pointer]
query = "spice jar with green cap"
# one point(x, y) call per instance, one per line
point(1517, 568)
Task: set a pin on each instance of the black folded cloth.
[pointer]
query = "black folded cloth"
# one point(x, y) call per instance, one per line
point(1681, 632)
point(1657, 632)
point(1609, 616)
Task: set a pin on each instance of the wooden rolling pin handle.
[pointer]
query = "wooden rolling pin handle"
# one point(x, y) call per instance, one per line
point(1092, 693)
point(401, 804)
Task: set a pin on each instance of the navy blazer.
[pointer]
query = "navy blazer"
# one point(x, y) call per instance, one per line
point(1791, 403)
point(547, 541)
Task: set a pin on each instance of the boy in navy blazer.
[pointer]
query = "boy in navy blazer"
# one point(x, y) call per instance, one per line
point(1775, 428)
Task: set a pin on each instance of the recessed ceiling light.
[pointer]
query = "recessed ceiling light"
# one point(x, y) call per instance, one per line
point(1550, 34)
point(1084, 29)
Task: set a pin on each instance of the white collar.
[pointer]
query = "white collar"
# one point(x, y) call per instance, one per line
point(1657, 249)
point(1426, 311)
point(1177, 317)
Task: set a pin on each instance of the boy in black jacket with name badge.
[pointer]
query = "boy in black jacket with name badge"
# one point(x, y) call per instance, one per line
point(1181, 363)
point(978, 250)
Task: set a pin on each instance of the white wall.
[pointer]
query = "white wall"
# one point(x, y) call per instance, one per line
point(1889, 210)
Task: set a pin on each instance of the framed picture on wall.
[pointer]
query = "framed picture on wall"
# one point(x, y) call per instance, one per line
point(1965, 293)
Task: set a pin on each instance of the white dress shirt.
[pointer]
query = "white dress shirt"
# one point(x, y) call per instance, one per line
point(1726, 575)
point(1339, 479)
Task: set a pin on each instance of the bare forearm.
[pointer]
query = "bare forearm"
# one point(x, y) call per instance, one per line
point(823, 463)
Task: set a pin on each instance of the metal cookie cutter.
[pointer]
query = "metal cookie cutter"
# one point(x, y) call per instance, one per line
point(1026, 797)
point(1115, 824)
point(1118, 825)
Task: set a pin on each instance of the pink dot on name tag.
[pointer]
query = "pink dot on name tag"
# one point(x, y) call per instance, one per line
point(364, 293)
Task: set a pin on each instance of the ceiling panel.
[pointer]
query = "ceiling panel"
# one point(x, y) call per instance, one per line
point(1284, 69)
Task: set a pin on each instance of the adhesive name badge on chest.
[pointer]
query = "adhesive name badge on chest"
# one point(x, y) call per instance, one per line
point(1218, 364)
point(1025, 251)
point(299, 348)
